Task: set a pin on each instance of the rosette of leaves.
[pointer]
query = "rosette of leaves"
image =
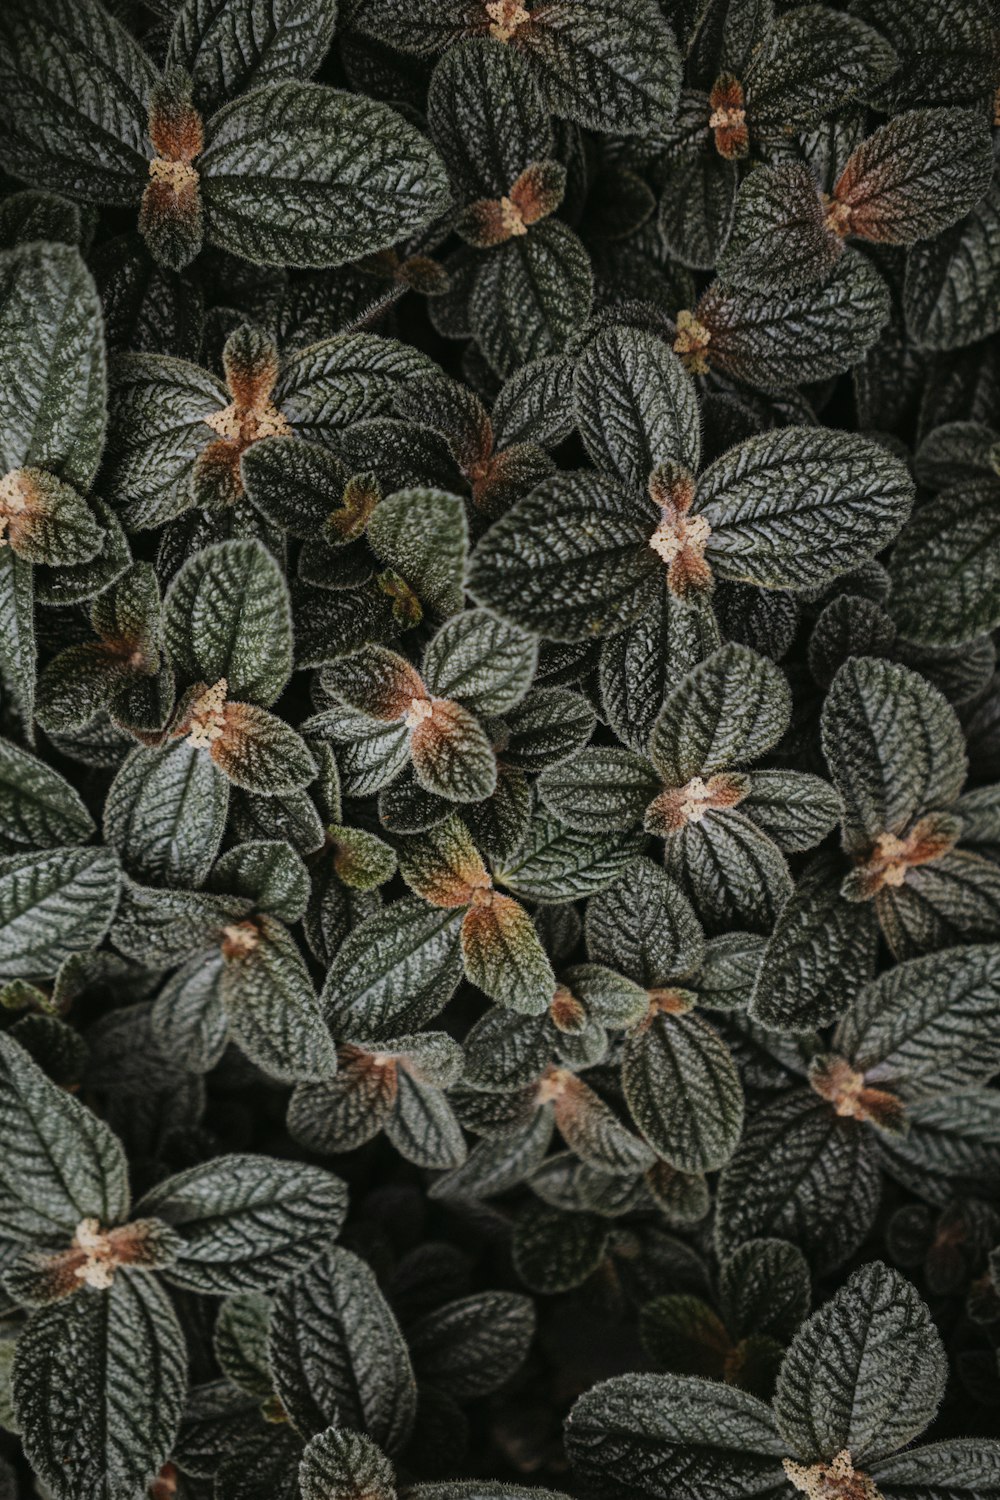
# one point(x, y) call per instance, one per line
point(241, 974)
point(901, 1090)
point(643, 941)
point(529, 283)
point(52, 425)
point(390, 718)
point(507, 1050)
point(908, 181)
point(229, 640)
point(500, 950)
point(331, 1342)
point(496, 471)
point(180, 438)
point(724, 829)
point(588, 554)
point(394, 1084)
point(762, 1296)
point(678, 1078)
point(89, 1271)
point(863, 1377)
point(754, 80)
point(546, 727)
point(556, 1098)
point(896, 754)
point(944, 571)
point(606, 66)
point(122, 673)
point(224, 147)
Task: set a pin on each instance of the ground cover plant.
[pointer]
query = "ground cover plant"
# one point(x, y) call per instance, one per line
point(499, 749)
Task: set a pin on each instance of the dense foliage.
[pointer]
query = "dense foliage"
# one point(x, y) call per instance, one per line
point(499, 749)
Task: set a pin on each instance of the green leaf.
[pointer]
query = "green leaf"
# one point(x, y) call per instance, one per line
point(601, 789)
point(645, 926)
point(536, 404)
point(18, 649)
point(60, 1163)
point(915, 176)
point(503, 956)
point(395, 972)
point(228, 616)
point(75, 87)
point(473, 1345)
point(269, 873)
point(497, 1164)
point(944, 569)
point(345, 1111)
point(821, 951)
point(764, 1289)
point(557, 863)
point(158, 407)
point(636, 405)
point(777, 340)
point(957, 1466)
point(546, 727)
point(488, 117)
point(826, 1195)
point(684, 1334)
point(816, 60)
point(950, 290)
point(38, 807)
point(188, 1019)
point(865, 1373)
point(894, 748)
point(352, 377)
point(423, 1127)
point(940, 49)
point(779, 237)
point(53, 415)
point(165, 813)
point(36, 215)
point(338, 1354)
point(796, 809)
point(273, 1013)
point(239, 44)
point(570, 560)
point(531, 295)
point(260, 753)
point(248, 1223)
point(163, 927)
point(728, 710)
point(423, 536)
point(639, 665)
point(927, 1026)
point(792, 509)
point(56, 527)
point(608, 66)
point(340, 1465)
point(106, 1431)
point(482, 661)
point(53, 904)
point(554, 1251)
point(683, 1090)
point(284, 182)
point(675, 1436)
point(239, 1342)
point(292, 482)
